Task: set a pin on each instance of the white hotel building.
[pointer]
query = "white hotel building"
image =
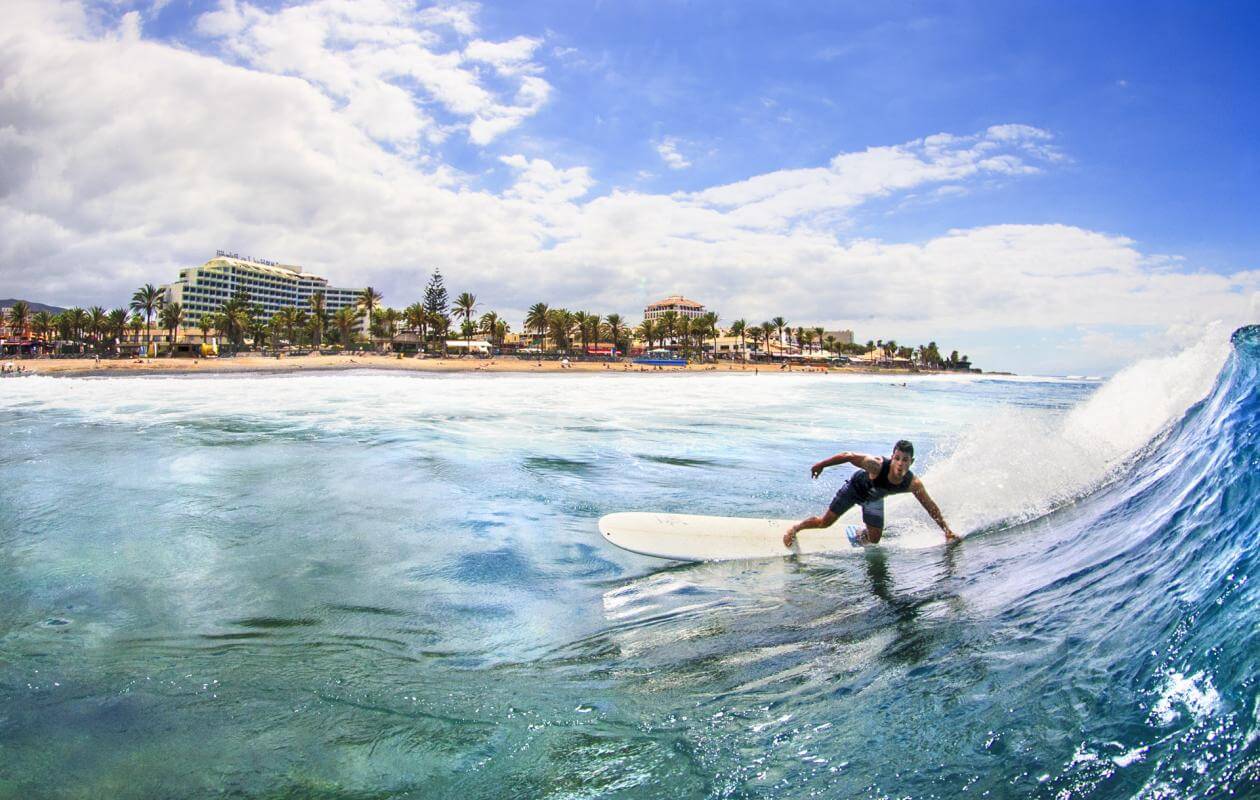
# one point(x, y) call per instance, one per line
point(204, 290)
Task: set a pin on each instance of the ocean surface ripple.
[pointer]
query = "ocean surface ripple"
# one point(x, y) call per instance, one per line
point(374, 585)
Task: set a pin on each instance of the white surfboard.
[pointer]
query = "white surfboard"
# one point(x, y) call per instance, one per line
point(691, 537)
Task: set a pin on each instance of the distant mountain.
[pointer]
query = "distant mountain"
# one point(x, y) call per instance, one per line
point(35, 307)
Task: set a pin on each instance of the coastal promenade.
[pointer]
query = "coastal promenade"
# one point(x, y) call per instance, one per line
point(88, 367)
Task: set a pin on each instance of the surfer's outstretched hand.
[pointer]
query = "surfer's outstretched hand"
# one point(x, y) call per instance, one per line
point(816, 470)
point(789, 538)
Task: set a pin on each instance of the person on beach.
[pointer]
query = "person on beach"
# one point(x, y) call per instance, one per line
point(874, 479)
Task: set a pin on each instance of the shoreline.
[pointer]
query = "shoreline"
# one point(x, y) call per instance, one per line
point(259, 365)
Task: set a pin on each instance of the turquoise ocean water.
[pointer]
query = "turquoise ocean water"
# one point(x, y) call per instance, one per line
point(375, 585)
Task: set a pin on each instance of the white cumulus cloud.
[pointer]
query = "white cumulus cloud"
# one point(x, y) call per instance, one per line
point(123, 159)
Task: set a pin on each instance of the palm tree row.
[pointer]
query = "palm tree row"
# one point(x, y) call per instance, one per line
point(558, 328)
point(561, 328)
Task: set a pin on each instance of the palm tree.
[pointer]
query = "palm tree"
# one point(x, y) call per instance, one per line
point(345, 320)
point(441, 325)
point(754, 333)
point(43, 324)
point(206, 323)
point(172, 316)
point(537, 321)
point(319, 317)
point(709, 322)
point(235, 318)
point(667, 326)
point(779, 324)
point(78, 319)
point(647, 332)
point(369, 298)
point(819, 333)
point(767, 328)
point(19, 318)
point(739, 328)
point(465, 306)
point(147, 300)
point(581, 322)
point(117, 321)
point(283, 322)
point(137, 325)
point(416, 319)
point(300, 322)
point(97, 323)
point(489, 325)
point(615, 325)
point(560, 325)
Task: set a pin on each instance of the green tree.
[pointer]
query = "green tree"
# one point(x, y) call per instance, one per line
point(581, 322)
point(616, 327)
point(536, 320)
point(319, 318)
point(667, 326)
point(560, 326)
point(118, 325)
point(172, 316)
point(465, 306)
point(206, 323)
point(43, 325)
point(709, 329)
point(78, 319)
point(345, 320)
point(435, 300)
point(147, 300)
point(779, 325)
point(97, 324)
point(441, 325)
point(740, 328)
point(368, 300)
point(416, 319)
point(648, 332)
point(767, 330)
point(137, 325)
point(19, 318)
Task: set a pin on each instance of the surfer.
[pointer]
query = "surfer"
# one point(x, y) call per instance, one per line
point(874, 479)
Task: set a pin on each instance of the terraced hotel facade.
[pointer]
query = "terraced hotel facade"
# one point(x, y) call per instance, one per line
point(204, 289)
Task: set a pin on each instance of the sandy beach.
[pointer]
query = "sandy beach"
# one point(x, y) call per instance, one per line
point(88, 367)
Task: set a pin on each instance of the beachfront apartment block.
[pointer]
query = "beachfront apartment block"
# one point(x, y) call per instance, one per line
point(204, 289)
point(678, 304)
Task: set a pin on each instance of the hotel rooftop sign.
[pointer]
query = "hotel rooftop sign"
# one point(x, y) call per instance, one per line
point(251, 259)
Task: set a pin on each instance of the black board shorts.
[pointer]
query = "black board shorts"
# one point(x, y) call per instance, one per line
point(851, 494)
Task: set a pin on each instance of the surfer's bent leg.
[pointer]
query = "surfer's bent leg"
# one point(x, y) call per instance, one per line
point(845, 499)
point(873, 516)
point(824, 521)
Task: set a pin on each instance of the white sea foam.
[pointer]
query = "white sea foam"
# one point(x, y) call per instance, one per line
point(1195, 694)
point(1020, 464)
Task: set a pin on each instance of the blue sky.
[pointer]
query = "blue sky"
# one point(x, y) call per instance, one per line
point(595, 154)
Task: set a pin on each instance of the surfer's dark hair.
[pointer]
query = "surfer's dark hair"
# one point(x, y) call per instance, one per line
point(905, 447)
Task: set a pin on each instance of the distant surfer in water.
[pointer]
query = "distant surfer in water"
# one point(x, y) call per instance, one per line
point(874, 479)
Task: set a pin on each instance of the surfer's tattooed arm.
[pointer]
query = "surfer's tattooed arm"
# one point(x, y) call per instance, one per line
point(920, 494)
point(868, 463)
